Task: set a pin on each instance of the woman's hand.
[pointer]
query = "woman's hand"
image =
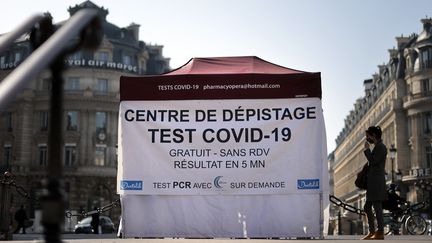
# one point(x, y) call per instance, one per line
point(366, 145)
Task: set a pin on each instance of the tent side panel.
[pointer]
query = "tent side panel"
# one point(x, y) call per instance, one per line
point(255, 216)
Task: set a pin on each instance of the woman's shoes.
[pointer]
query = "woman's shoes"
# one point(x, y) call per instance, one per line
point(379, 235)
point(368, 236)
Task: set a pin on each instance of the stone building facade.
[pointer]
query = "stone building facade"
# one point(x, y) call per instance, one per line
point(398, 98)
point(91, 103)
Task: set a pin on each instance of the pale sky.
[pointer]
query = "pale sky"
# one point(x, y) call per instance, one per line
point(345, 40)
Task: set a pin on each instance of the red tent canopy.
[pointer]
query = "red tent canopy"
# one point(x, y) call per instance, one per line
point(223, 78)
point(231, 65)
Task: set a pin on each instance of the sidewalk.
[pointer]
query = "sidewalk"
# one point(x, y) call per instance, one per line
point(110, 238)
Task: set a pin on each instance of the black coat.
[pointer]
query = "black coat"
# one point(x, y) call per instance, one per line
point(20, 215)
point(377, 189)
point(95, 220)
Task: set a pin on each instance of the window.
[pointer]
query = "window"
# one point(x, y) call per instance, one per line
point(2, 60)
point(427, 122)
point(44, 120)
point(72, 121)
point(409, 126)
point(7, 154)
point(46, 84)
point(72, 83)
point(426, 58)
point(100, 155)
point(70, 155)
point(18, 57)
point(425, 85)
point(75, 56)
point(101, 122)
point(42, 155)
point(9, 121)
point(127, 60)
point(102, 56)
point(429, 156)
point(102, 85)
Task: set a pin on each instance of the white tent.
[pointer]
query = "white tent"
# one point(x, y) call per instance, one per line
point(223, 147)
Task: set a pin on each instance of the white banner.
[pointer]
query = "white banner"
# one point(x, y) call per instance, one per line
point(207, 147)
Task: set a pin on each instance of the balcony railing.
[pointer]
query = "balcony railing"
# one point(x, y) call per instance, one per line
point(423, 94)
point(360, 136)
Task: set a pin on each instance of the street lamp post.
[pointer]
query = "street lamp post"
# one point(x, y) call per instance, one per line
point(392, 157)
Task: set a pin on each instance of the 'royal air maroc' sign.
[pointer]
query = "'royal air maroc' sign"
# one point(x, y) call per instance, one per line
point(101, 64)
point(89, 63)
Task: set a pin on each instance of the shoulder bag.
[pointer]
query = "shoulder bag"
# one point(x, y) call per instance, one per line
point(361, 180)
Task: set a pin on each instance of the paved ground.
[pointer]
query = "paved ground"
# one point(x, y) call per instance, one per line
point(74, 238)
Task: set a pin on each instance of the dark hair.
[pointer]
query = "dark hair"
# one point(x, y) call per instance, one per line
point(374, 131)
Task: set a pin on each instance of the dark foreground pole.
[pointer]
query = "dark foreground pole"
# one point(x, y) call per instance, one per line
point(52, 200)
point(50, 50)
point(5, 214)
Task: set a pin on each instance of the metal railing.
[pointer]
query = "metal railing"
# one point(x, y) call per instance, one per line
point(45, 54)
point(8, 39)
point(82, 30)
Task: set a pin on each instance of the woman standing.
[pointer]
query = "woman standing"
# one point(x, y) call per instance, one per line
point(376, 191)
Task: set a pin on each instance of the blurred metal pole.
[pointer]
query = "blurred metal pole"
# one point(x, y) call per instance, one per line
point(52, 200)
point(85, 27)
point(5, 217)
point(43, 56)
point(7, 39)
point(53, 206)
